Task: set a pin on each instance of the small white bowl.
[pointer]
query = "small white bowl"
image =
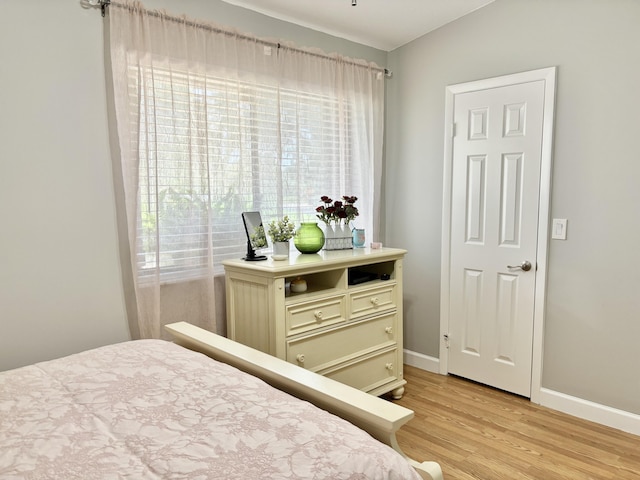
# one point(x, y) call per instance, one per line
point(298, 285)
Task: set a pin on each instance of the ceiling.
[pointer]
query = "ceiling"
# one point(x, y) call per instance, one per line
point(382, 24)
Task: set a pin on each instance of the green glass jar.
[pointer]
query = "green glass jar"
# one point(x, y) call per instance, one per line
point(309, 238)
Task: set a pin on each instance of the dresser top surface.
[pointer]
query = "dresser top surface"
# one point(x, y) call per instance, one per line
point(324, 258)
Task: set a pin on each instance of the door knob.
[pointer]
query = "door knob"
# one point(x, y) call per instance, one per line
point(525, 266)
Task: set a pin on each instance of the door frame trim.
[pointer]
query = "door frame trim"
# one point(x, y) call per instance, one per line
point(548, 75)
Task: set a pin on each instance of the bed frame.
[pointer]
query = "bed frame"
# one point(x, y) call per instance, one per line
point(380, 418)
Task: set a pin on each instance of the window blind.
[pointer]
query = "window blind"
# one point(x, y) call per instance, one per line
point(211, 148)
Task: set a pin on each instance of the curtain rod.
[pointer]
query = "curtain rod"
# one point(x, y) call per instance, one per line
point(103, 4)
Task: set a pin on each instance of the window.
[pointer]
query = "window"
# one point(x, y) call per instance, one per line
point(211, 148)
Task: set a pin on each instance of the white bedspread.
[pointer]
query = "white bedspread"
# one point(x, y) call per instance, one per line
point(150, 409)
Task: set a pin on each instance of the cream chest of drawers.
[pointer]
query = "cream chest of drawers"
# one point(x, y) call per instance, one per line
point(338, 327)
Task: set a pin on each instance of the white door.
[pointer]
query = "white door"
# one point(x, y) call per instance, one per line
point(495, 188)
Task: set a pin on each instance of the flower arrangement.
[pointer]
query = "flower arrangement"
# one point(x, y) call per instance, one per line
point(338, 210)
point(281, 230)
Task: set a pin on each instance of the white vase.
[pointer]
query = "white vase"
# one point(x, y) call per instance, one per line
point(344, 230)
point(329, 231)
point(280, 250)
point(340, 241)
point(338, 237)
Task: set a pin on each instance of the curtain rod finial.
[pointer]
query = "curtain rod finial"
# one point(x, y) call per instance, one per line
point(103, 6)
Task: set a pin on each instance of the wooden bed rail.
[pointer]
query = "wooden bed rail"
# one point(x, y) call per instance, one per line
point(380, 418)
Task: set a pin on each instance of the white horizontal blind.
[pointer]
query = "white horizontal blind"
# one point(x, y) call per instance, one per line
point(211, 148)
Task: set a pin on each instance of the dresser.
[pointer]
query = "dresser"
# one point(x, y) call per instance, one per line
point(346, 325)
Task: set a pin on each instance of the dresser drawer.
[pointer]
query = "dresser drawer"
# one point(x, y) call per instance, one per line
point(367, 374)
point(372, 300)
point(337, 345)
point(307, 316)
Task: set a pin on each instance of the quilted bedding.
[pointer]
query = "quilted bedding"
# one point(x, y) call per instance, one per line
point(150, 409)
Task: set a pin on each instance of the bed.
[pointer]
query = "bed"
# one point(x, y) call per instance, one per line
point(201, 407)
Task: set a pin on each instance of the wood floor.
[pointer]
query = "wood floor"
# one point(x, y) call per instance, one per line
point(476, 432)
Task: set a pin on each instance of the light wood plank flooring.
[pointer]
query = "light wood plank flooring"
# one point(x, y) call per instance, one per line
point(477, 432)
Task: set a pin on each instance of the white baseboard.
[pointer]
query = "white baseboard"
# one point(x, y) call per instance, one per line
point(585, 409)
point(422, 361)
point(595, 412)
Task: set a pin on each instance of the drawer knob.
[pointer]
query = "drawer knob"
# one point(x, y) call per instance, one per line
point(375, 301)
point(300, 357)
point(389, 330)
point(389, 366)
point(318, 314)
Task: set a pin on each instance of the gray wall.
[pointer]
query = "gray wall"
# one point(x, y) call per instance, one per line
point(60, 288)
point(60, 280)
point(593, 296)
point(266, 27)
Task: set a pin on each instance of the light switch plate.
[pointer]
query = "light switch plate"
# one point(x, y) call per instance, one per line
point(559, 229)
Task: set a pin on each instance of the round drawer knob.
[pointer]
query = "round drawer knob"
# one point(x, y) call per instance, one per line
point(300, 358)
point(318, 314)
point(389, 366)
point(389, 330)
point(375, 301)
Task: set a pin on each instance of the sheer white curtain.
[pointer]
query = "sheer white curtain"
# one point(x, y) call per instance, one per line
point(212, 122)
